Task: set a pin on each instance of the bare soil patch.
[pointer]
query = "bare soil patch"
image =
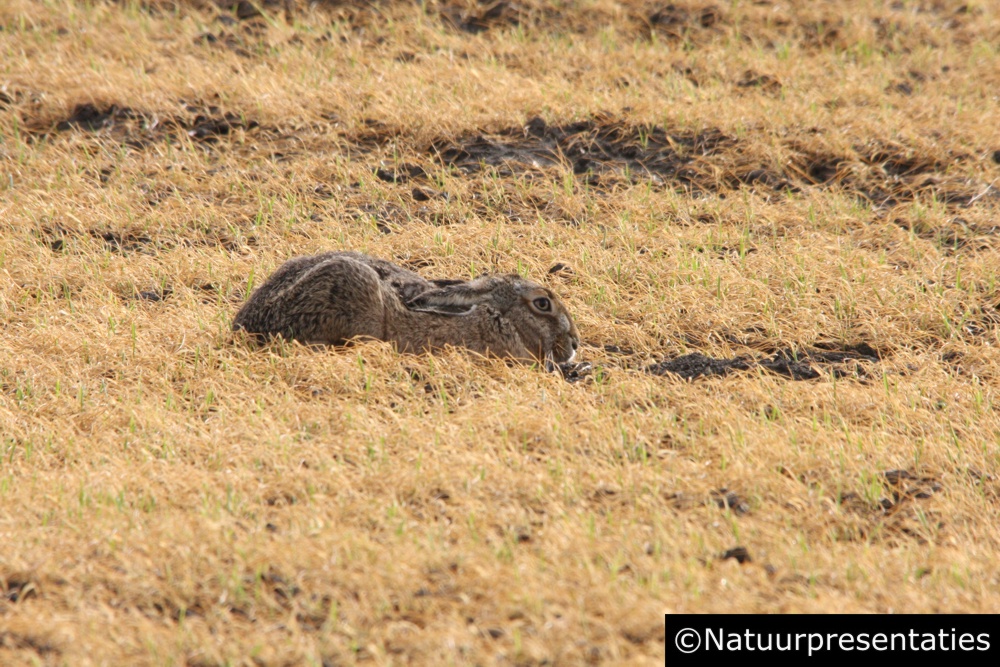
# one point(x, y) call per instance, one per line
point(792, 364)
point(139, 129)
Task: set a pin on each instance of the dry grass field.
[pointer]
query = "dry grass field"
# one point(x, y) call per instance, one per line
point(775, 222)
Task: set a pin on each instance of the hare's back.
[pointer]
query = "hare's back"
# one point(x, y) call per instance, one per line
point(399, 281)
point(324, 298)
point(404, 283)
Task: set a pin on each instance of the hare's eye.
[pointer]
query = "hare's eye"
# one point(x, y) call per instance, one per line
point(543, 304)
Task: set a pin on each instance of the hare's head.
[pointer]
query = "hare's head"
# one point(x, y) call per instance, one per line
point(509, 304)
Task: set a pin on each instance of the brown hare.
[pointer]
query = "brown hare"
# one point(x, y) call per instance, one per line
point(333, 297)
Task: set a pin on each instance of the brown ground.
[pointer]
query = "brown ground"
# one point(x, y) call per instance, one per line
point(776, 226)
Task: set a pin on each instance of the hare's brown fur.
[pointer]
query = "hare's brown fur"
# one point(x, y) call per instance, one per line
point(336, 296)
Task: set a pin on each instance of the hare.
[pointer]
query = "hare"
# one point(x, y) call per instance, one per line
point(336, 296)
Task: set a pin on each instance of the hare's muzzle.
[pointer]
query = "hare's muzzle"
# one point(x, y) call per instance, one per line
point(565, 352)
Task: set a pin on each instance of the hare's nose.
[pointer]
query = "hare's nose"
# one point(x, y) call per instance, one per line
point(575, 343)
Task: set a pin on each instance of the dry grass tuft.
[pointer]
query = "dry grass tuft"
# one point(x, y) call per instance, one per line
point(775, 222)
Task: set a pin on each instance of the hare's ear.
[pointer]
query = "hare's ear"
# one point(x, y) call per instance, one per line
point(460, 298)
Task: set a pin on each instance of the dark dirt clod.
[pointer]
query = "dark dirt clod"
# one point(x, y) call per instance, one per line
point(898, 161)
point(836, 353)
point(246, 10)
point(740, 554)
point(765, 82)
point(575, 372)
point(494, 15)
point(904, 486)
point(720, 498)
point(724, 498)
point(895, 477)
point(427, 194)
point(401, 174)
point(918, 486)
point(817, 168)
point(237, 44)
point(979, 475)
point(89, 117)
point(154, 296)
point(18, 587)
point(123, 242)
point(790, 365)
point(560, 268)
point(385, 216)
point(901, 87)
point(674, 21)
point(765, 177)
point(208, 128)
point(17, 641)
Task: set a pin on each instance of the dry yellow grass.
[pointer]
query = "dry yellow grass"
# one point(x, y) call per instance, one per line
point(753, 178)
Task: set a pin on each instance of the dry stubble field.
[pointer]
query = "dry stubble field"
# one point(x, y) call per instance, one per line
point(774, 222)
